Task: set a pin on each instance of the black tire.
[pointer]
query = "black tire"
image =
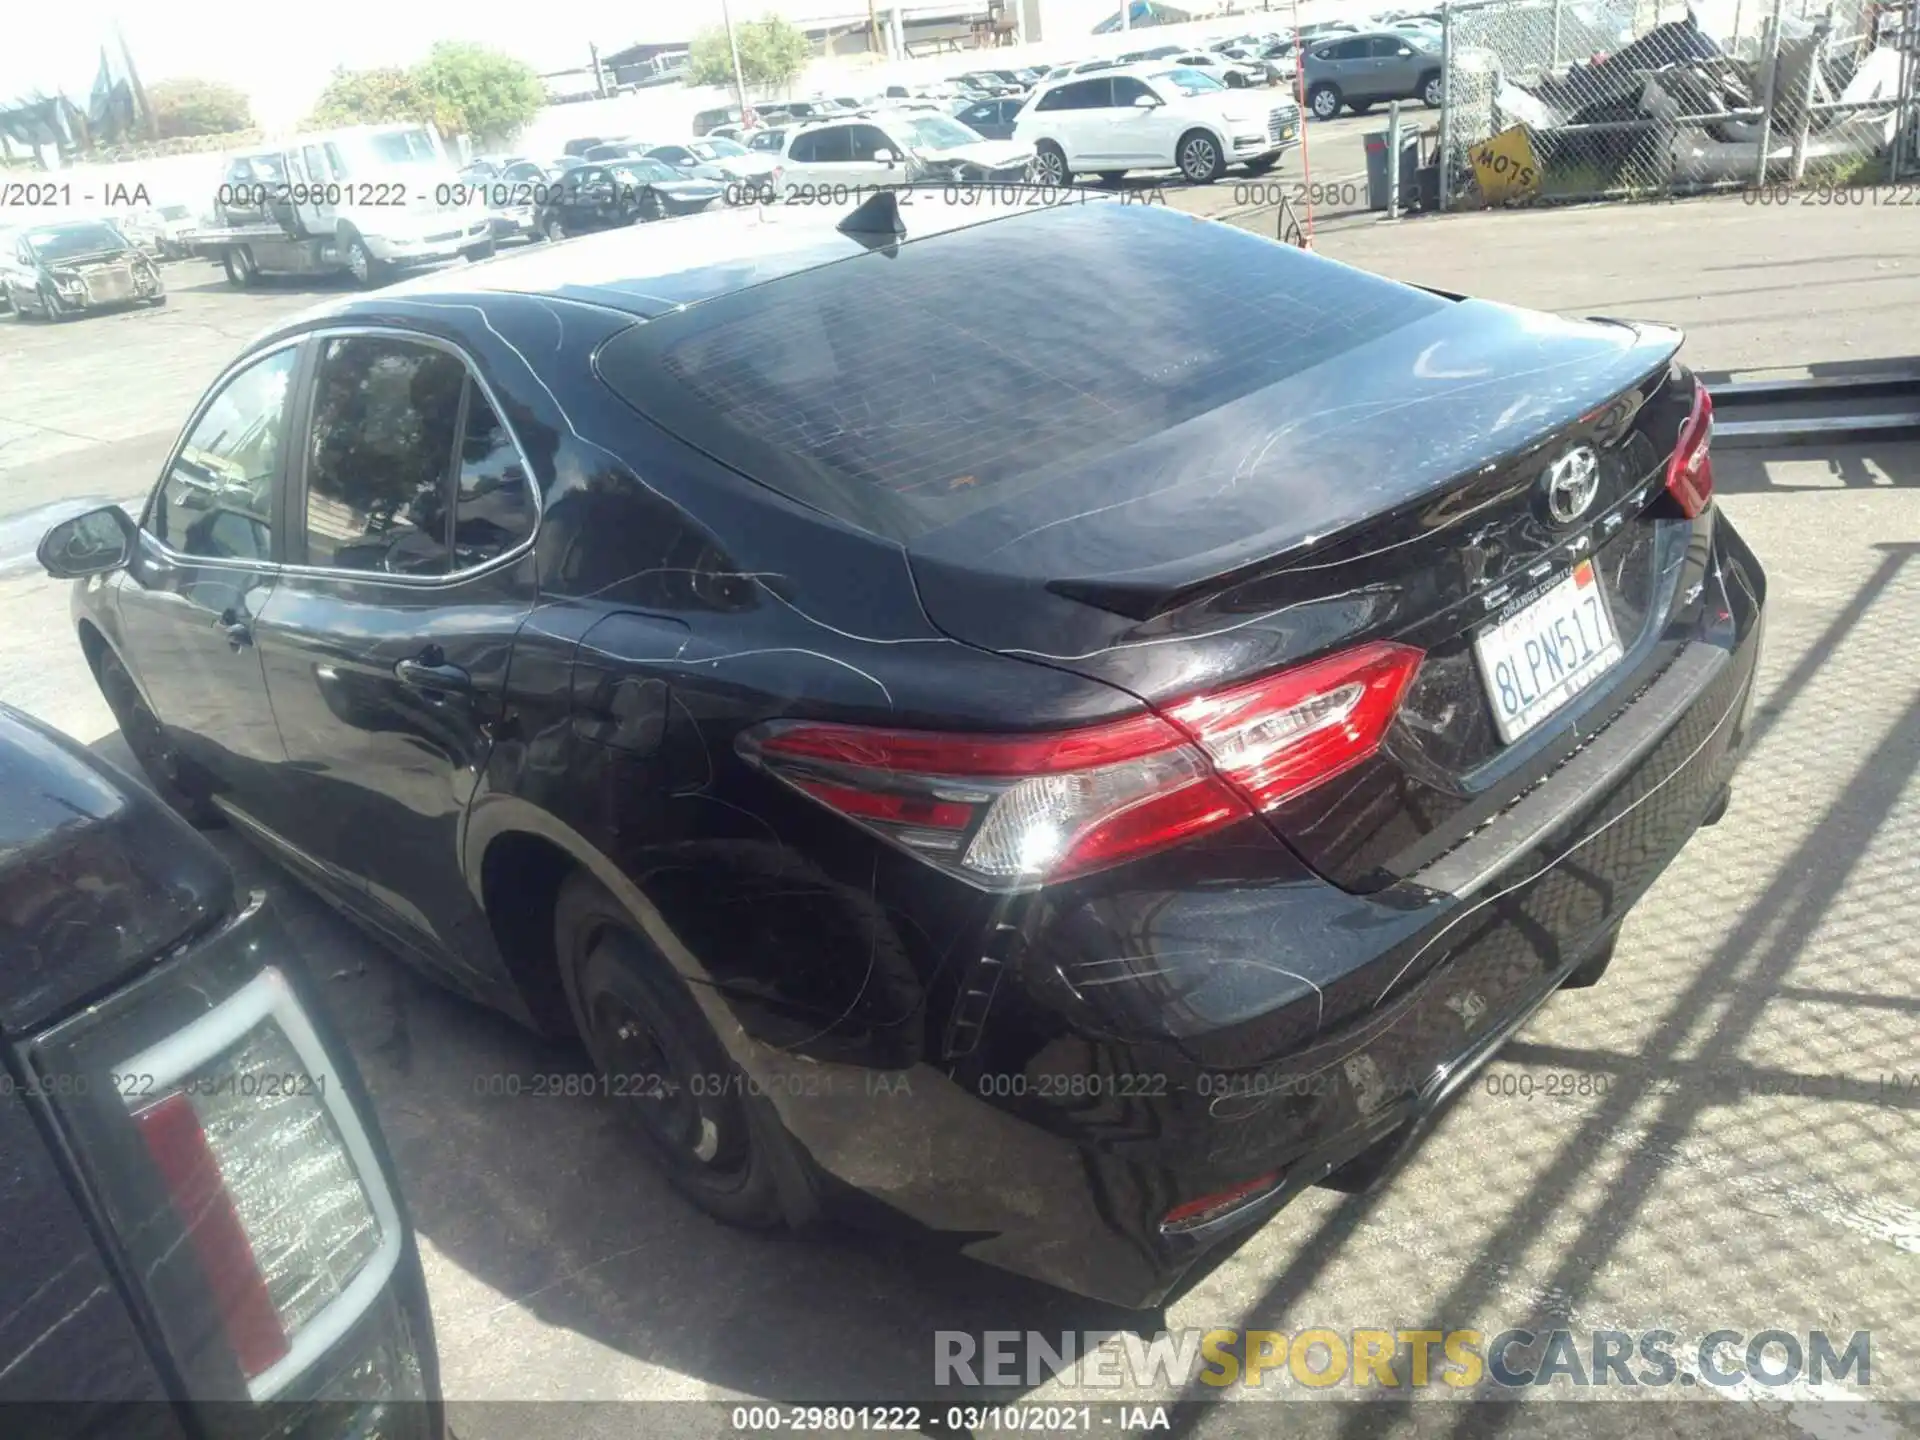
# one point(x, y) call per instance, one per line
point(242, 273)
point(157, 302)
point(1432, 90)
point(1324, 101)
point(651, 206)
point(1359, 107)
point(173, 779)
point(368, 273)
point(1199, 157)
point(482, 251)
point(1050, 166)
point(1236, 81)
point(1262, 165)
point(553, 229)
point(717, 1142)
point(1112, 177)
point(53, 307)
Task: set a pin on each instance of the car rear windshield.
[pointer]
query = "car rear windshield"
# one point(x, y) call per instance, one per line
point(908, 387)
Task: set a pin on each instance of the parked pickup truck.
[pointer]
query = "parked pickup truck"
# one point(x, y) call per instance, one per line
point(371, 200)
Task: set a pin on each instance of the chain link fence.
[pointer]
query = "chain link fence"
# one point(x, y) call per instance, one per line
point(1603, 99)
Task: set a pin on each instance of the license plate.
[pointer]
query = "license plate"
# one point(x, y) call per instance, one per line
point(1546, 652)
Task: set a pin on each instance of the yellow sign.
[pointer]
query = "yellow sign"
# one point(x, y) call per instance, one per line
point(1506, 167)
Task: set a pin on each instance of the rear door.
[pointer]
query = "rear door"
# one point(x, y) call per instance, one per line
point(385, 647)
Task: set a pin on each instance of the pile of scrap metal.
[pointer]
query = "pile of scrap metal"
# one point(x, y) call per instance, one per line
point(1650, 114)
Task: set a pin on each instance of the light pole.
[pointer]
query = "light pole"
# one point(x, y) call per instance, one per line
point(733, 47)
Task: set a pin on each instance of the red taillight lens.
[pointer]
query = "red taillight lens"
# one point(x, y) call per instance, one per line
point(1690, 471)
point(1287, 733)
point(193, 1178)
point(1007, 811)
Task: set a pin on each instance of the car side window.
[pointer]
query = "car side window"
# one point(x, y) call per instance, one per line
point(832, 145)
point(216, 499)
point(1054, 99)
point(868, 141)
point(493, 506)
point(379, 460)
point(316, 162)
point(672, 154)
point(1385, 47)
point(1126, 90)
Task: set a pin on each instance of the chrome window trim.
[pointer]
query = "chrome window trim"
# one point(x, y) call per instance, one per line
point(292, 477)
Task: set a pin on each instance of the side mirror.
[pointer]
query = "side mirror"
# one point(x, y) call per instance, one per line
point(886, 157)
point(1145, 102)
point(95, 543)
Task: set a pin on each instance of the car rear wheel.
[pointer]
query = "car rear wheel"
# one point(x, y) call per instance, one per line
point(1432, 92)
point(1324, 100)
point(1050, 165)
point(1112, 177)
point(173, 779)
point(555, 228)
point(1359, 107)
point(652, 207)
point(718, 1142)
point(1199, 157)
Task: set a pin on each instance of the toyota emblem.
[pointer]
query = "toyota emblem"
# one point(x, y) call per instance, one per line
point(1572, 482)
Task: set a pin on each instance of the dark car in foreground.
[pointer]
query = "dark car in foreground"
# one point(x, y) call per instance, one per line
point(608, 196)
point(74, 266)
point(204, 1231)
point(941, 706)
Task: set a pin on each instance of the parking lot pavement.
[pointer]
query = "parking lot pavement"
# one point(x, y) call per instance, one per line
point(1721, 1135)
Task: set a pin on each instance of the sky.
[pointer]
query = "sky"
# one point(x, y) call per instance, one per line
point(282, 57)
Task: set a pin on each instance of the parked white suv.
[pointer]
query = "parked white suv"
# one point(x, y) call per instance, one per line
point(897, 147)
point(1153, 117)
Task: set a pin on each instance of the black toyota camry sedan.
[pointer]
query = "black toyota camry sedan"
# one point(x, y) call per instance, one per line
point(1074, 720)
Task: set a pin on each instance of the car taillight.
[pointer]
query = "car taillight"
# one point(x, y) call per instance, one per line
point(1690, 471)
point(1013, 811)
point(294, 1231)
point(226, 1147)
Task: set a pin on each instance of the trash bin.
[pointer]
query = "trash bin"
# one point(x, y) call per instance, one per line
point(1376, 144)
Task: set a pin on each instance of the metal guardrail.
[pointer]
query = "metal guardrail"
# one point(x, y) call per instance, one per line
point(1824, 410)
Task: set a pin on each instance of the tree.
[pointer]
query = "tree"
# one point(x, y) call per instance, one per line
point(772, 52)
point(371, 97)
point(461, 89)
point(481, 92)
point(198, 107)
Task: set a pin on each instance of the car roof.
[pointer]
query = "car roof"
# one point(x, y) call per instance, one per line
point(651, 270)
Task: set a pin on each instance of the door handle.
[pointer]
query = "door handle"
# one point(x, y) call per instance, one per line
point(432, 675)
point(238, 631)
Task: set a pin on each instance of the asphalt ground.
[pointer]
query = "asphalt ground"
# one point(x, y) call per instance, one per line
point(1721, 1136)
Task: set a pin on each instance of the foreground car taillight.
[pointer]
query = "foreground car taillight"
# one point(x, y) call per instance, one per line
point(295, 1236)
point(1012, 811)
point(220, 1138)
point(1690, 471)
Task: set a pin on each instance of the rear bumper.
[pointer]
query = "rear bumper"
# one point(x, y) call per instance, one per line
point(1137, 1043)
